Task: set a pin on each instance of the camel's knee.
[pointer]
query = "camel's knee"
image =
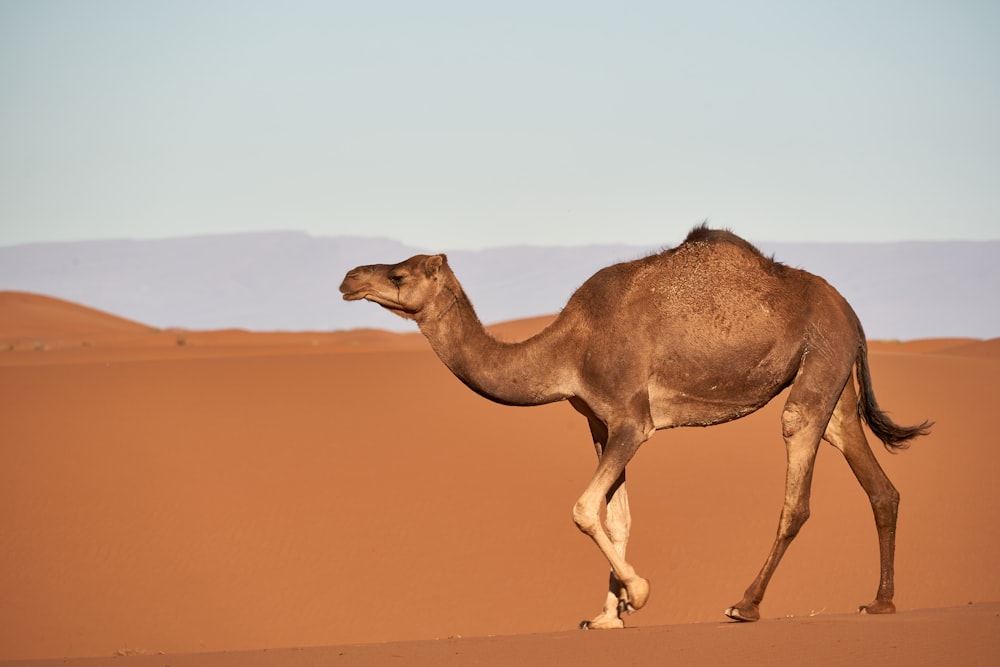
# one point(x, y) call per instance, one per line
point(586, 517)
point(885, 505)
point(888, 498)
point(792, 520)
point(793, 420)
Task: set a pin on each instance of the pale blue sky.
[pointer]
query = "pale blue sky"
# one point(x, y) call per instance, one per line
point(468, 124)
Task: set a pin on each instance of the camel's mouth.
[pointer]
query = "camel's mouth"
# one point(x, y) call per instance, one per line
point(354, 296)
point(390, 305)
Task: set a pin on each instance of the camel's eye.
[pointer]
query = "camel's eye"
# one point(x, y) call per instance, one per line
point(396, 280)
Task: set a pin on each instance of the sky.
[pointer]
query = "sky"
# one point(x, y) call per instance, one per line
point(467, 125)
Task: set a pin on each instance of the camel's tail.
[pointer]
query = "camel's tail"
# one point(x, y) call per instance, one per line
point(893, 436)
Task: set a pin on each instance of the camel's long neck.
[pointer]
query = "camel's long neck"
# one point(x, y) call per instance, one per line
point(525, 373)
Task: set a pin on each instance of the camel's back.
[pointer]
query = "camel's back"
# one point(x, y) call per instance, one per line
point(714, 286)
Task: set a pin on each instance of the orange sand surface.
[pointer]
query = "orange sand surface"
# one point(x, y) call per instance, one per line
point(222, 497)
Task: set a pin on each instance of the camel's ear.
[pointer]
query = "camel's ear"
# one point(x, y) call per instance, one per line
point(433, 265)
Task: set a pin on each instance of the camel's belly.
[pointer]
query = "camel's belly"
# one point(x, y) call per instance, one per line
point(711, 403)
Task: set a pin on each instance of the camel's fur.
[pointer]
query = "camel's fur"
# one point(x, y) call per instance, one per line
point(696, 335)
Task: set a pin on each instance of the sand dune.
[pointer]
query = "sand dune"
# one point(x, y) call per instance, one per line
point(204, 492)
point(33, 318)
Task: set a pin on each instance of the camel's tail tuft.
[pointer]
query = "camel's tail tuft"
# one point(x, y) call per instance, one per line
point(892, 435)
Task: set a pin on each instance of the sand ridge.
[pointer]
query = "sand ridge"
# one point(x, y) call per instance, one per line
point(250, 491)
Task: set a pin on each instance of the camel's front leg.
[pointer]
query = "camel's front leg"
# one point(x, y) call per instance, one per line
point(618, 522)
point(627, 590)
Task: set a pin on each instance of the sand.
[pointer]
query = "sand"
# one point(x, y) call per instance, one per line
point(208, 496)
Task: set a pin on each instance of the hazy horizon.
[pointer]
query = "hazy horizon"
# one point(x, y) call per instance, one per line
point(678, 236)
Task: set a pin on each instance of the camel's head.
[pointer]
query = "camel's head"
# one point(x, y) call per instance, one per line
point(404, 289)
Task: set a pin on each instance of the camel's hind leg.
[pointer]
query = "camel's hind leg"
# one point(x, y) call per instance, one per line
point(845, 433)
point(803, 422)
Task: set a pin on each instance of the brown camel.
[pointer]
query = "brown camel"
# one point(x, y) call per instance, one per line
point(696, 335)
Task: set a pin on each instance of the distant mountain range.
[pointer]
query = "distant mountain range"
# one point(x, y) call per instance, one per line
point(288, 280)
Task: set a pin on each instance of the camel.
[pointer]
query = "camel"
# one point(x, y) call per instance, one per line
point(696, 335)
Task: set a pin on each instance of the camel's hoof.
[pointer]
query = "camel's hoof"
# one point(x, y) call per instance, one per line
point(746, 615)
point(603, 623)
point(878, 607)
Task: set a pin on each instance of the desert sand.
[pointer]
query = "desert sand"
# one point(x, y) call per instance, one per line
point(225, 497)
